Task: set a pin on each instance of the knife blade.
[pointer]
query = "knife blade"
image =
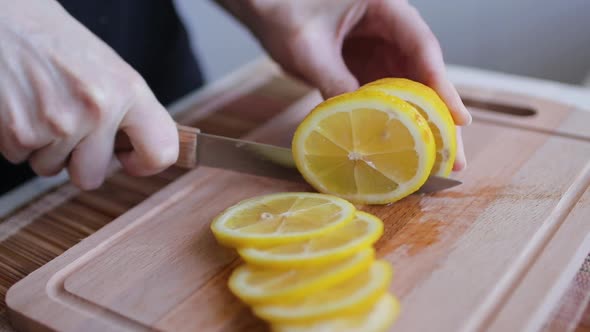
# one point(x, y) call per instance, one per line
point(197, 148)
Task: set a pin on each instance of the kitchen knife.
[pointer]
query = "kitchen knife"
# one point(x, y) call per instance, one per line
point(197, 148)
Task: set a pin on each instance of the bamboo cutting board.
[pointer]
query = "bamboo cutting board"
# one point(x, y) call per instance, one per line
point(496, 253)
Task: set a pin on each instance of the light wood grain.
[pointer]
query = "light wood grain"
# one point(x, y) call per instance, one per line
point(552, 270)
point(187, 151)
point(472, 258)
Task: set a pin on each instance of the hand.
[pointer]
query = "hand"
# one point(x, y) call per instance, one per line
point(336, 45)
point(64, 95)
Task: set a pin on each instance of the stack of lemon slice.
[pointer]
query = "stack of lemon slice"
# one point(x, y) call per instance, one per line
point(310, 263)
point(377, 144)
point(309, 258)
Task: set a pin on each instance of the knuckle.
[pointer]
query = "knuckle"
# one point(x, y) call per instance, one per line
point(162, 159)
point(61, 126)
point(55, 114)
point(14, 158)
point(295, 51)
point(431, 41)
point(22, 138)
point(431, 76)
point(134, 88)
point(43, 169)
point(95, 102)
point(135, 82)
point(300, 39)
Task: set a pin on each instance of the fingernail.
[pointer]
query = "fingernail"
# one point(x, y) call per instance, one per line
point(460, 163)
point(459, 166)
point(469, 118)
point(91, 183)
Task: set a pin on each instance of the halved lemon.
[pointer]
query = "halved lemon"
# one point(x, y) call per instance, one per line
point(433, 109)
point(342, 242)
point(260, 284)
point(352, 296)
point(365, 146)
point(378, 319)
point(281, 218)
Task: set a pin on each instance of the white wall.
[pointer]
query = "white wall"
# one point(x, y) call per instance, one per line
point(542, 38)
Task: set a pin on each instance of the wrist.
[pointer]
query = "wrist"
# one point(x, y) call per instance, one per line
point(251, 13)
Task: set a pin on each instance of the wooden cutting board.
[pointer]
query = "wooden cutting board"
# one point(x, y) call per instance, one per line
point(494, 254)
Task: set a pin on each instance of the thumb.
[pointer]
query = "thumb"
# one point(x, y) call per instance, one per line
point(321, 64)
point(153, 136)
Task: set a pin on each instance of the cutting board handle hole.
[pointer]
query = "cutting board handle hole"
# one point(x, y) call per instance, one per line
point(499, 107)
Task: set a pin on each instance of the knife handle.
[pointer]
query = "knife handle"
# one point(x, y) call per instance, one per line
point(187, 152)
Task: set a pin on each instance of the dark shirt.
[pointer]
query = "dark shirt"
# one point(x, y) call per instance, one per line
point(148, 35)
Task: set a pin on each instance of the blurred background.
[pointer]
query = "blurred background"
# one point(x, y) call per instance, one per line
point(539, 38)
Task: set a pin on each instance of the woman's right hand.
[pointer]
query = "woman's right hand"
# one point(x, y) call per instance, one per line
point(64, 95)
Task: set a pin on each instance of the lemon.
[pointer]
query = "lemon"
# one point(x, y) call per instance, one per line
point(378, 319)
point(259, 284)
point(365, 146)
point(349, 297)
point(433, 109)
point(281, 218)
point(339, 243)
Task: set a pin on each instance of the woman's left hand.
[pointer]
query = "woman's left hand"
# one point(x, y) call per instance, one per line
point(335, 45)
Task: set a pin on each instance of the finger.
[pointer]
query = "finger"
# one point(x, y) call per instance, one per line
point(25, 127)
point(51, 159)
point(460, 159)
point(17, 144)
point(432, 72)
point(19, 136)
point(15, 158)
point(153, 135)
point(90, 159)
point(14, 155)
point(319, 61)
point(410, 32)
point(448, 93)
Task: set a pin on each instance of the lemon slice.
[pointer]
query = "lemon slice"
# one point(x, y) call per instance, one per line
point(352, 296)
point(365, 146)
point(338, 244)
point(433, 109)
point(281, 218)
point(378, 319)
point(258, 284)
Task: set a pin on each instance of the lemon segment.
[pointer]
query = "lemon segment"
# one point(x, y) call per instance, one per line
point(365, 146)
point(281, 218)
point(428, 103)
point(378, 319)
point(263, 285)
point(362, 232)
point(350, 297)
